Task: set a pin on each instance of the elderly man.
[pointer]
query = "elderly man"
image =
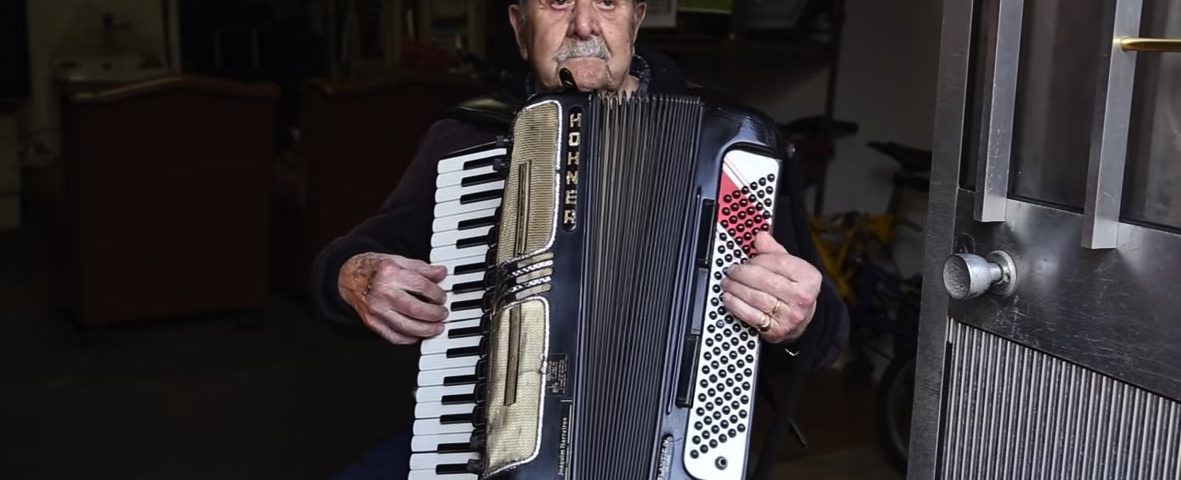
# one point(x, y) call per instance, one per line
point(377, 274)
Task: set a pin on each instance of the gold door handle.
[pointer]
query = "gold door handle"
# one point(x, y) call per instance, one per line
point(1150, 44)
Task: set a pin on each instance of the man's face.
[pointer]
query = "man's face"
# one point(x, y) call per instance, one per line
point(592, 38)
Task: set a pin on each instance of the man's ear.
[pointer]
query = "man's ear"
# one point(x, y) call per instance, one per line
point(517, 18)
point(641, 10)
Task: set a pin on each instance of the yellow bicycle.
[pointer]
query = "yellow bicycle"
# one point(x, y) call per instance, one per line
point(856, 250)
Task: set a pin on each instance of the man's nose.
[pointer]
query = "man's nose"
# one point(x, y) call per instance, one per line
point(585, 21)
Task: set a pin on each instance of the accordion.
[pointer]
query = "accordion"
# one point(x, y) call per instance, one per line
point(587, 338)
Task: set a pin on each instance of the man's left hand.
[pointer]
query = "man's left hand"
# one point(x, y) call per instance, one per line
point(774, 292)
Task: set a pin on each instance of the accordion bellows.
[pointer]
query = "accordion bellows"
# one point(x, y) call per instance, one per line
point(604, 349)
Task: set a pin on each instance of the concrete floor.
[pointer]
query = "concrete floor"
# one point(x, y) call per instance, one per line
point(275, 394)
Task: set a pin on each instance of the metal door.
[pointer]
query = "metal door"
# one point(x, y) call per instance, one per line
point(1051, 327)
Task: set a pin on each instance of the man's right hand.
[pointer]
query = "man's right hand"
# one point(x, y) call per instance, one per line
point(397, 297)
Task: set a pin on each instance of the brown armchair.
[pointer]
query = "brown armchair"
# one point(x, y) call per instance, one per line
point(356, 139)
point(166, 198)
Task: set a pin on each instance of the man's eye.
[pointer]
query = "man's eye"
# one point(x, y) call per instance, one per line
point(561, 3)
point(608, 3)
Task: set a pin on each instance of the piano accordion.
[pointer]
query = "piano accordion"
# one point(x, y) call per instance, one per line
point(587, 338)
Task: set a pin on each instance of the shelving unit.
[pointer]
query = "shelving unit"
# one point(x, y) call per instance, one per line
point(731, 50)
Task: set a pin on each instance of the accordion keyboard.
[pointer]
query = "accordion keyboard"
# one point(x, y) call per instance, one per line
point(468, 191)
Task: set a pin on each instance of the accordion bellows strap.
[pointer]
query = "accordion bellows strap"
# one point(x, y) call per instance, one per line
point(587, 338)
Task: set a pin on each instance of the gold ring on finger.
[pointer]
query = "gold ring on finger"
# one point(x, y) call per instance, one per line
point(765, 325)
point(775, 309)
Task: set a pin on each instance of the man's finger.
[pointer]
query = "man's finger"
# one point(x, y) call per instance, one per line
point(405, 325)
point(412, 281)
point(794, 268)
point(765, 243)
point(762, 301)
point(755, 276)
point(753, 317)
point(434, 272)
point(386, 332)
point(410, 306)
point(759, 278)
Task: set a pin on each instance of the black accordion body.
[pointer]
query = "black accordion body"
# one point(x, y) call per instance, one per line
point(587, 338)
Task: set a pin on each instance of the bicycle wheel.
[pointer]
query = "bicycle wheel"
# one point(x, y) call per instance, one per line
point(894, 402)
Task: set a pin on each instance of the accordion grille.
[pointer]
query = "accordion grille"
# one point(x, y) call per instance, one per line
point(529, 205)
point(640, 199)
point(515, 390)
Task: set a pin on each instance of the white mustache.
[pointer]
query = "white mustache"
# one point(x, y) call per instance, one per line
point(595, 48)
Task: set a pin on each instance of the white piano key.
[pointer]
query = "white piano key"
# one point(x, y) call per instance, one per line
point(436, 393)
point(448, 252)
point(436, 410)
point(451, 222)
point(463, 297)
point(422, 461)
point(440, 361)
point(459, 315)
point(457, 192)
point(432, 378)
point(451, 237)
point(450, 179)
point(433, 426)
point(456, 163)
point(458, 324)
point(429, 474)
point(450, 281)
point(453, 207)
point(441, 344)
point(431, 443)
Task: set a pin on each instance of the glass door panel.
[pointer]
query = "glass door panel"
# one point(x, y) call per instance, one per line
point(1152, 182)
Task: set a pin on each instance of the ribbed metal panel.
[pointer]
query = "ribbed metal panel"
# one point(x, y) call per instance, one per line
point(1014, 412)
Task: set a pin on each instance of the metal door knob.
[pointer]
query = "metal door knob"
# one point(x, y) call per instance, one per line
point(967, 276)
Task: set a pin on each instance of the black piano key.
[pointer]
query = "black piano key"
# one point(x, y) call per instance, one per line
point(454, 447)
point(479, 162)
point(470, 268)
point(482, 179)
point(459, 380)
point(463, 352)
point(465, 332)
point(480, 196)
point(451, 469)
point(467, 305)
point(455, 418)
point(467, 287)
point(460, 398)
point(471, 241)
point(476, 222)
